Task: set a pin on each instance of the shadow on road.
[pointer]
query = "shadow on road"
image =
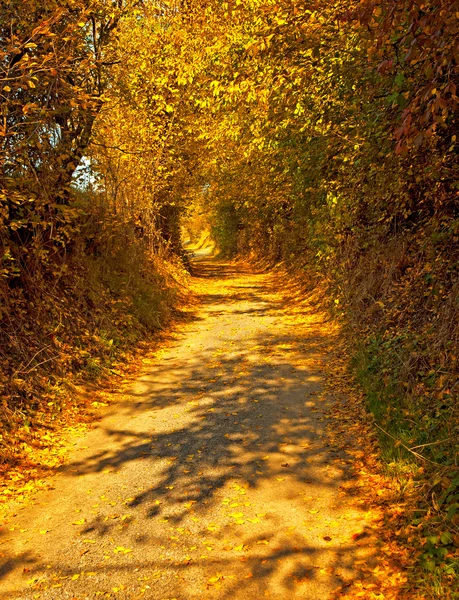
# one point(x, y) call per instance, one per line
point(237, 404)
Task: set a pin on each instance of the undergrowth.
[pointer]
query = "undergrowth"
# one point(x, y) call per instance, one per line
point(398, 303)
point(397, 338)
point(419, 453)
point(69, 324)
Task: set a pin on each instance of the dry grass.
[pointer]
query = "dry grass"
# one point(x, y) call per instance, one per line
point(59, 334)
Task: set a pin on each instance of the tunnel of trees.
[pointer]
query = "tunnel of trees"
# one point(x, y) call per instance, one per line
point(322, 134)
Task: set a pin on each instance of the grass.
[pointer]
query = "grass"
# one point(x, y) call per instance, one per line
point(416, 456)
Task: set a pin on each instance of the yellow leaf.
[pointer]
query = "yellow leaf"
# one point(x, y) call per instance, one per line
point(80, 522)
point(122, 550)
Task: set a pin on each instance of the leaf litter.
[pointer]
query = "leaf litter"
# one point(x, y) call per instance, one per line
point(383, 576)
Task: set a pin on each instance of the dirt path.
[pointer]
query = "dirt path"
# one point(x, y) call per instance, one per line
point(212, 480)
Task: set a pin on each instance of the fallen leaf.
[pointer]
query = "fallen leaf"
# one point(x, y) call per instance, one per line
point(122, 550)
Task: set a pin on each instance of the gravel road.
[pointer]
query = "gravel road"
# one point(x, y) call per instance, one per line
point(212, 478)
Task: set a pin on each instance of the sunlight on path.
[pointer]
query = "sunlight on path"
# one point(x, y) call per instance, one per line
point(213, 479)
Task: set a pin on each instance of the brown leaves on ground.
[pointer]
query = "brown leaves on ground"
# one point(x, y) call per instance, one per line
point(385, 558)
point(383, 575)
point(35, 453)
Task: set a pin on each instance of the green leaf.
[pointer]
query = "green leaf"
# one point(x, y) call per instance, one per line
point(446, 538)
point(400, 79)
point(430, 565)
point(452, 511)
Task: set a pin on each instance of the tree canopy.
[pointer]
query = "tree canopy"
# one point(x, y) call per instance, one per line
point(320, 133)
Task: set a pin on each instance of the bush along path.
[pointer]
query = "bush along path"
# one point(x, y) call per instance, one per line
point(239, 465)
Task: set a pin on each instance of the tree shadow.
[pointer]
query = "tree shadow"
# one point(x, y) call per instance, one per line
point(215, 418)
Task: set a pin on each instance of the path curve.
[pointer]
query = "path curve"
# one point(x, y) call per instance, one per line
point(212, 479)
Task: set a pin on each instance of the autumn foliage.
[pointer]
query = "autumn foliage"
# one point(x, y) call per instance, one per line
point(323, 134)
point(80, 280)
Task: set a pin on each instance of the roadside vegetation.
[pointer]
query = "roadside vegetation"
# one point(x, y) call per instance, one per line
point(321, 134)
